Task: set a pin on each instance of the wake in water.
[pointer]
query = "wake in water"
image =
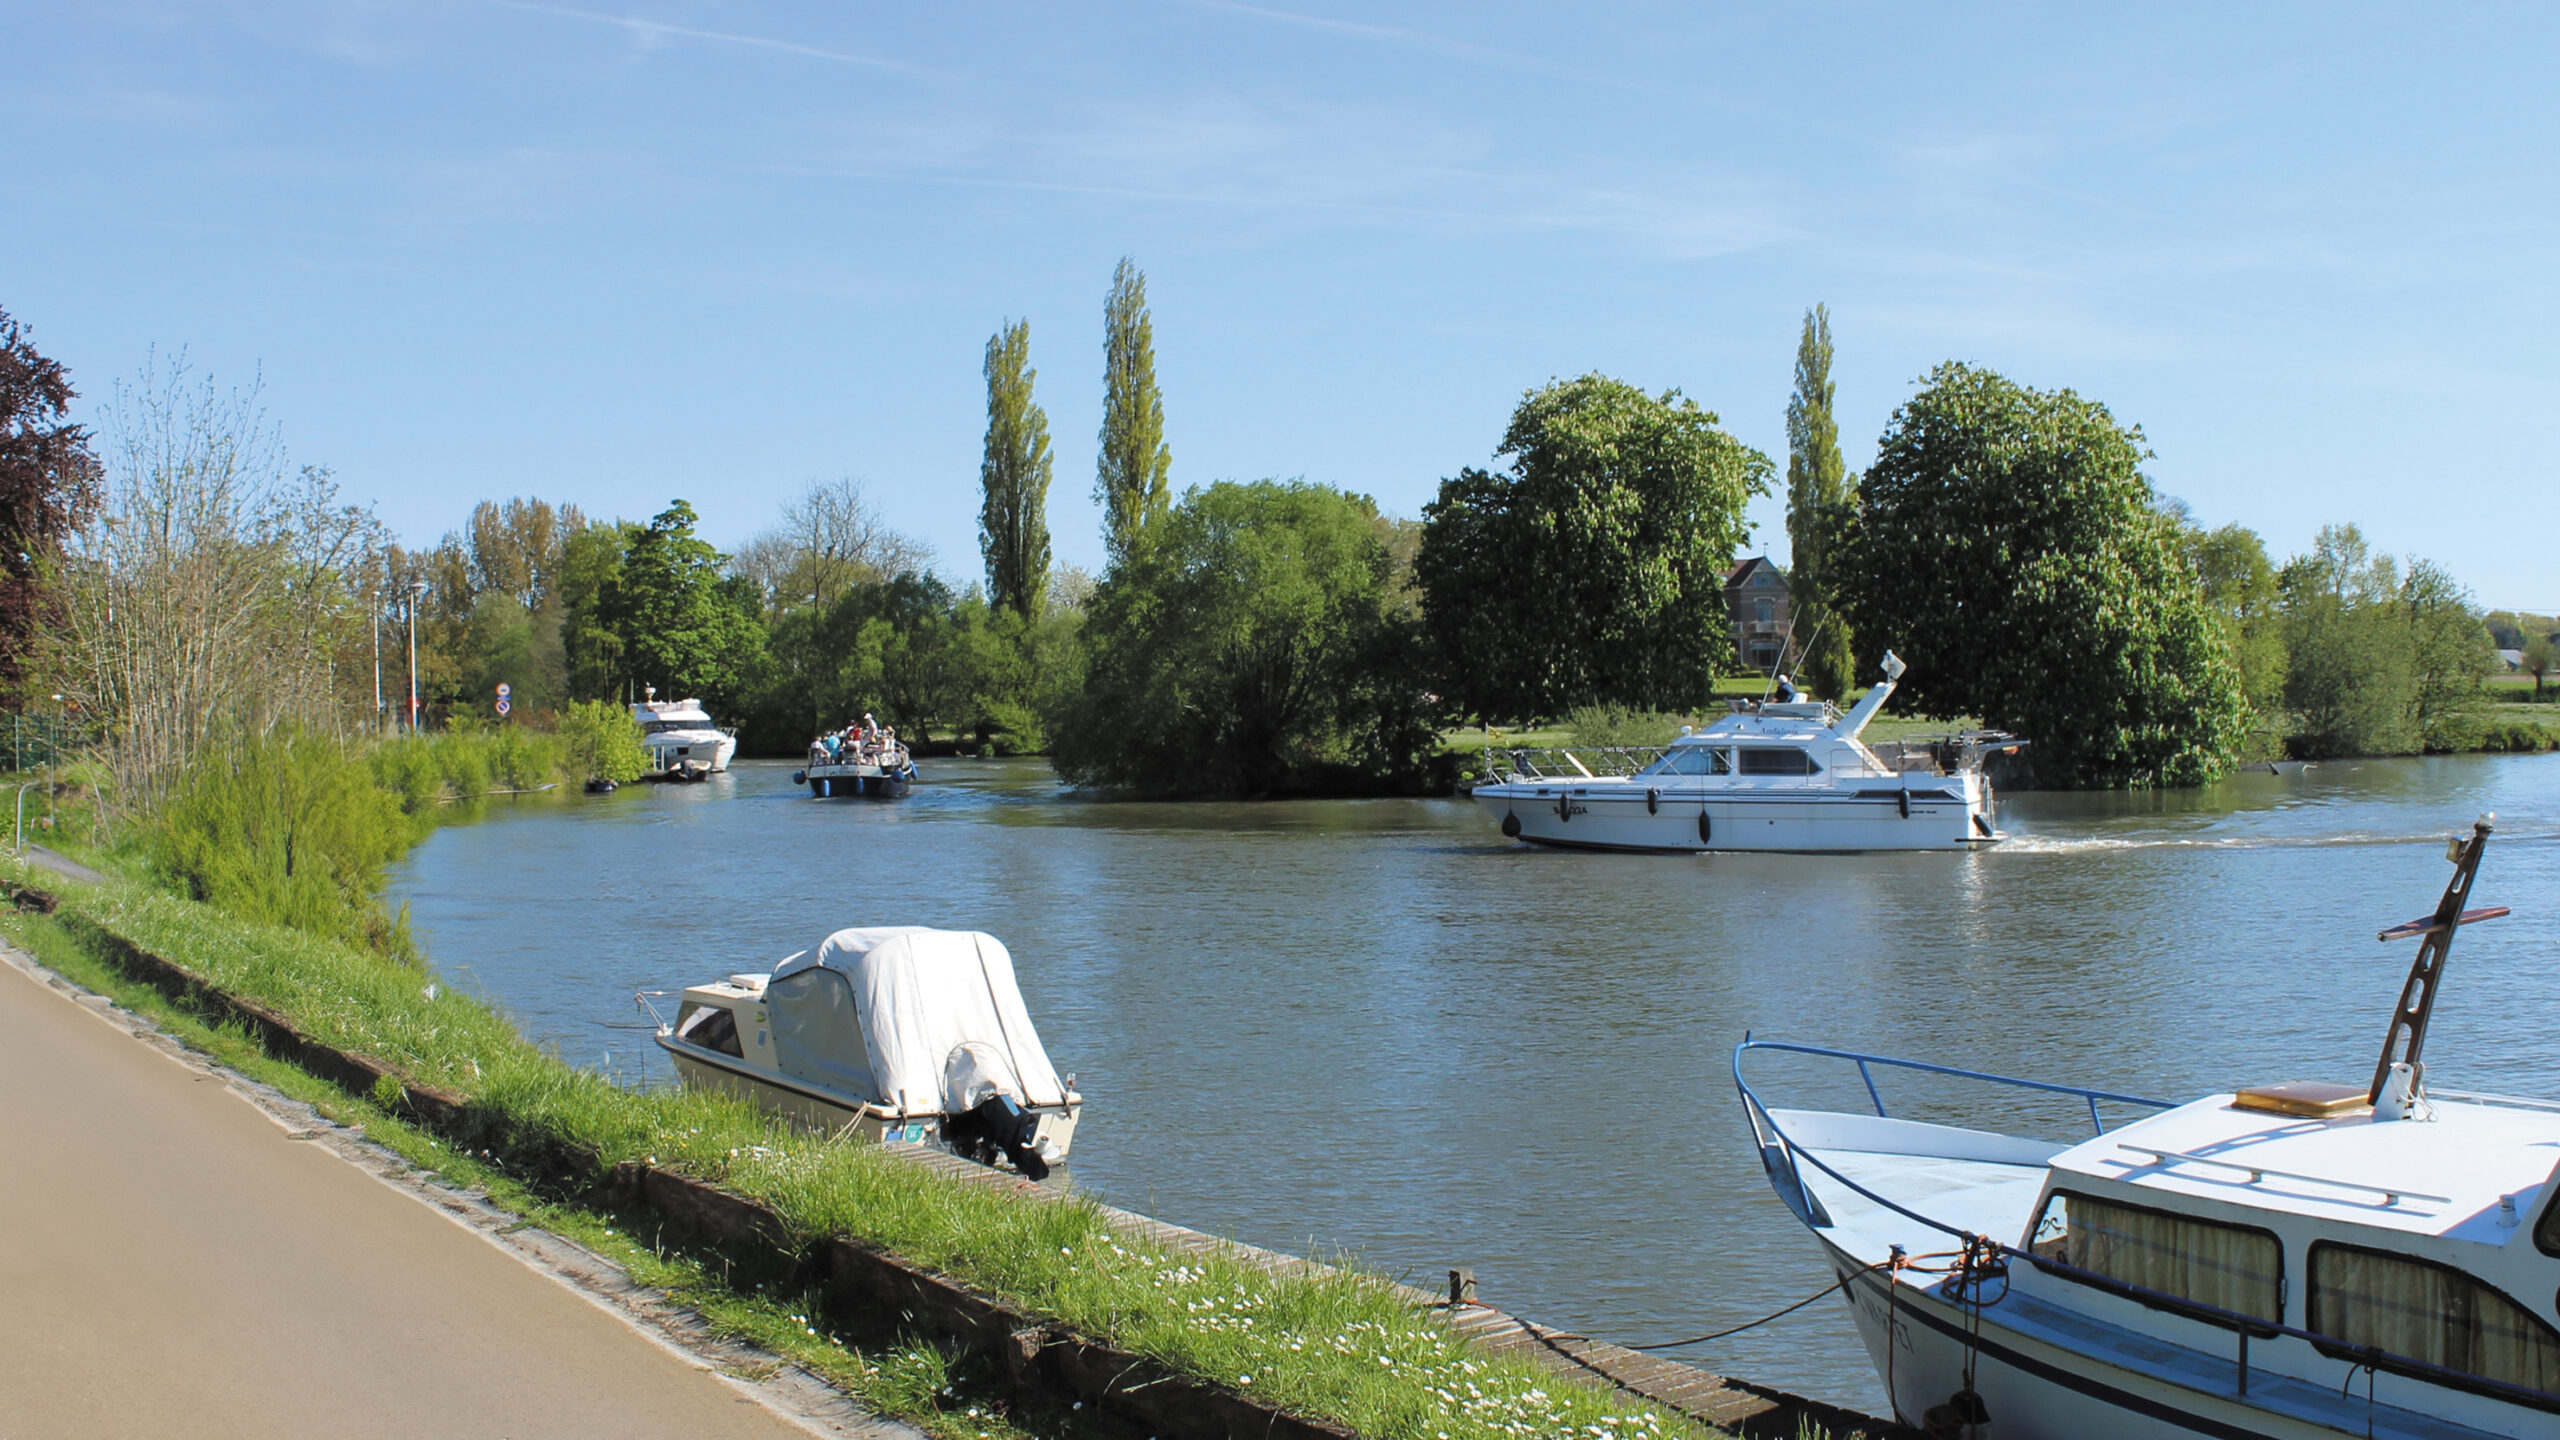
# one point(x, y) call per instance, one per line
point(2084, 844)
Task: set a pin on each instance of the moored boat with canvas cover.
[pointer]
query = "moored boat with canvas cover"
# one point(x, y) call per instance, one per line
point(894, 1032)
point(2293, 1259)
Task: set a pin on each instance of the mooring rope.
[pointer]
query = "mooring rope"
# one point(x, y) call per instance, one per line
point(1841, 1284)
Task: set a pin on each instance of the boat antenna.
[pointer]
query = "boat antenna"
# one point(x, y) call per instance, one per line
point(2407, 1037)
point(1783, 642)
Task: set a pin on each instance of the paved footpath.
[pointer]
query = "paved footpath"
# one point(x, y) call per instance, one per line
point(174, 1261)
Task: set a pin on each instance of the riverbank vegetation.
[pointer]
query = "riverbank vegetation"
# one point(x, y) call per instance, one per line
point(1342, 1345)
point(1255, 641)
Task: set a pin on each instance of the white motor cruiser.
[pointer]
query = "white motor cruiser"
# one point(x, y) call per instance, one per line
point(2288, 1260)
point(682, 742)
point(899, 1032)
point(1774, 777)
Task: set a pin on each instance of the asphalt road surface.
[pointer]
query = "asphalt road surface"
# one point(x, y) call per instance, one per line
point(173, 1262)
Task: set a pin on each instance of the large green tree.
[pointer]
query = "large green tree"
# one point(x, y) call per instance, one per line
point(684, 627)
point(1013, 522)
point(1134, 473)
point(1253, 647)
point(2347, 670)
point(1592, 570)
point(1819, 494)
point(2241, 590)
point(2009, 548)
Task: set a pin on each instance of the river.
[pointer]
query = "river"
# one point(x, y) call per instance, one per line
point(1374, 1028)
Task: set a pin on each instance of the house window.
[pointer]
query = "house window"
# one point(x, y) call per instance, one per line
point(2432, 1313)
point(2229, 1267)
point(1768, 609)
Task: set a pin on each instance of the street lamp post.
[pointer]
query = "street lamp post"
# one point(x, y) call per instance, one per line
point(377, 664)
point(416, 589)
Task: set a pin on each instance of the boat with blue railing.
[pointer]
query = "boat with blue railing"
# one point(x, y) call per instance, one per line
point(2296, 1259)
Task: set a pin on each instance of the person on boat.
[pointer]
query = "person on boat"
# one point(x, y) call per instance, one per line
point(1787, 693)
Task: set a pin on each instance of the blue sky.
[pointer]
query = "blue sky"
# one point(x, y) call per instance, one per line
point(616, 253)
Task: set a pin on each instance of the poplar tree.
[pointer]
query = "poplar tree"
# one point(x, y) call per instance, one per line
point(1818, 498)
point(1133, 481)
point(1013, 524)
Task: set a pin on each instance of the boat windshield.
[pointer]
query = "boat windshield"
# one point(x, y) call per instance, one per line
point(1690, 760)
point(712, 1027)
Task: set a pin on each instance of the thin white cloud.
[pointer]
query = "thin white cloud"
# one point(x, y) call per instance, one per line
point(1354, 28)
point(659, 31)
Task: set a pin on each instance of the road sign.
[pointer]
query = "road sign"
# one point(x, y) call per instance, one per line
point(503, 707)
point(503, 691)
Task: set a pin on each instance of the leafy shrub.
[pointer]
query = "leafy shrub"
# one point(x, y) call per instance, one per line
point(288, 829)
point(598, 740)
point(1611, 725)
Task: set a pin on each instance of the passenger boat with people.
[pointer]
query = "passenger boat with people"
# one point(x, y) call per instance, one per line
point(1771, 776)
point(866, 759)
point(682, 742)
point(890, 1033)
point(2294, 1259)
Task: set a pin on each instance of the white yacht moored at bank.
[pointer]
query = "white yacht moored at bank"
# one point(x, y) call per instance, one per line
point(2289, 1260)
point(895, 1032)
point(680, 738)
point(1771, 777)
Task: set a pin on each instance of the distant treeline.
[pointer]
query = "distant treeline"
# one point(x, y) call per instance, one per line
point(1271, 637)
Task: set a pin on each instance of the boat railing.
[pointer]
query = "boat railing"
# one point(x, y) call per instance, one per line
point(2391, 1195)
point(1866, 1073)
point(647, 1001)
point(1533, 764)
point(1769, 1135)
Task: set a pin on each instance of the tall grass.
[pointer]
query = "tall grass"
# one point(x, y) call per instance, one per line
point(1344, 1344)
point(296, 829)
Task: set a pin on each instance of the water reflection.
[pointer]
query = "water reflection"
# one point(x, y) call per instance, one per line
point(1370, 1025)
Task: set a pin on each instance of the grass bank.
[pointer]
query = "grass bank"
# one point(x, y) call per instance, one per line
point(1345, 1346)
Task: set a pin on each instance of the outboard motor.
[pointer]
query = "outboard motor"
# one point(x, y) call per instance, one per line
point(998, 1126)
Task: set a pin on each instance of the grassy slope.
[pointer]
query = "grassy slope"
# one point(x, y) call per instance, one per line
point(1346, 1347)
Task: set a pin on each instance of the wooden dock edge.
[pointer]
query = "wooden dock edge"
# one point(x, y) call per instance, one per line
point(882, 1299)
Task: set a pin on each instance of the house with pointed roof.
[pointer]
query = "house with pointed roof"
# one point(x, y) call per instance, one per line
point(1755, 599)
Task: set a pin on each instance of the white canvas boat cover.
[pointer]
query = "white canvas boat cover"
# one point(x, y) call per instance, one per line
point(926, 1021)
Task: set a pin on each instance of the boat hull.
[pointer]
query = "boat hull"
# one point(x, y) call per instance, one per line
point(867, 782)
point(1620, 815)
point(843, 1115)
point(666, 753)
point(2032, 1389)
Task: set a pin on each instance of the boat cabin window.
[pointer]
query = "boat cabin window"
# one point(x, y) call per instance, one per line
point(713, 1027)
point(2546, 1232)
point(1771, 761)
point(1691, 760)
point(2229, 1267)
point(2432, 1313)
point(817, 1031)
point(660, 727)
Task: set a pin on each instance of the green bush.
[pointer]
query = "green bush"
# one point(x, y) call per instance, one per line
point(1610, 726)
point(1253, 648)
point(288, 829)
point(598, 740)
point(2517, 736)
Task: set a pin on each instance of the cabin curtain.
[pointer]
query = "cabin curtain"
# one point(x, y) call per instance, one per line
point(2220, 1265)
point(2429, 1313)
